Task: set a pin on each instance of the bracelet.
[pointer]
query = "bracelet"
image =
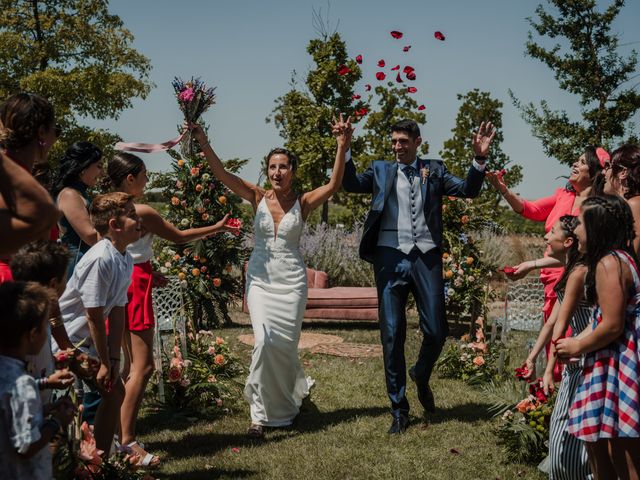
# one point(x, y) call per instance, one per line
point(41, 383)
point(56, 322)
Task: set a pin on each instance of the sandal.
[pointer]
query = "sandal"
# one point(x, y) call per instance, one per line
point(255, 431)
point(145, 459)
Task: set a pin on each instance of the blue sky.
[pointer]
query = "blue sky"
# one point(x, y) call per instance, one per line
point(248, 49)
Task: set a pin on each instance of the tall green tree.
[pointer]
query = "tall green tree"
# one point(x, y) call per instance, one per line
point(304, 117)
point(75, 53)
point(477, 107)
point(586, 63)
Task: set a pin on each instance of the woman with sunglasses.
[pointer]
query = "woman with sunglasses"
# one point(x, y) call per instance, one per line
point(27, 133)
point(622, 178)
point(80, 168)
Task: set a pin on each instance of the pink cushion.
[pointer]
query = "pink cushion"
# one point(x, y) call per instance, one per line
point(343, 297)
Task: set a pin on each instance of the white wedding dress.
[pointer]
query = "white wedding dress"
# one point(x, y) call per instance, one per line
point(276, 296)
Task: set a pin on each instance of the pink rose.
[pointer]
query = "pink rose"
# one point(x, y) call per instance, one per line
point(219, 340)
point(479, 361)
point(186, 95)
point(174, 374)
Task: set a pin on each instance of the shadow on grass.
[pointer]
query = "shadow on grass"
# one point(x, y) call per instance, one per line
point(208, 474)
point(467, 412)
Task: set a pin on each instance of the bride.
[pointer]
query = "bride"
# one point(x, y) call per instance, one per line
point(276, 277)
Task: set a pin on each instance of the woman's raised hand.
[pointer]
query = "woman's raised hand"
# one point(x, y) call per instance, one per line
point(197, 133)
point(342, 130)
point(496, 179)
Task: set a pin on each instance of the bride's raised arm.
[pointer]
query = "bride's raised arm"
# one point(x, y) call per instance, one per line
point(310, 200)
point(237, 185)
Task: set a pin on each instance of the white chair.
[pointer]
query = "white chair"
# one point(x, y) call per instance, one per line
point(170, 315)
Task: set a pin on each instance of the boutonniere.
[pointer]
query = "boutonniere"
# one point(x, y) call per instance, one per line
point(424, 174)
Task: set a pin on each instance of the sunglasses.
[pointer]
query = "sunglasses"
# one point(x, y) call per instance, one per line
point(57, 129)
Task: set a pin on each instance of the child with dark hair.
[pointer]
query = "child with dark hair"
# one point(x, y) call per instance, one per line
point(97, 289)
point(24, 431)
point(45, 262)
point(605, 413)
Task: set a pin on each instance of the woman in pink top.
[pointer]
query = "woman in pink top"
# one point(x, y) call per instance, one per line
point(586, 173)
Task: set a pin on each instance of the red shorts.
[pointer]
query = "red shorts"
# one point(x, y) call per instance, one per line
point(140, 309)
point(5, 272)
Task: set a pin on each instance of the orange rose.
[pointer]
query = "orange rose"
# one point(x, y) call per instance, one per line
point(470, 260)
point(181, 275)
point(219, 359)
point(464, 219)
point(219, 341)
point(176, 257)
point(479, 361)
point(181, 163)
point(217, 282)
point(195, 272)
point(198, 188)
point(175, 201)
point(195, 171)
point(205, 216)
point(222, 199)
point(448, 274)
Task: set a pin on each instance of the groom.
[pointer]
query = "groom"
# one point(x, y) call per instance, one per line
point(403, 239)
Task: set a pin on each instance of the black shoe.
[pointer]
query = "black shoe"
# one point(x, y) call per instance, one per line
point(425, 395)
point(399, 425)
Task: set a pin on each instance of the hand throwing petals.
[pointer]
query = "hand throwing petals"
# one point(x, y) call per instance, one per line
point(412, 89)
point(381, 63)
point(343, 70)
point(396, 34)
point(380, 76)
point(359, 59)
point(439, 36)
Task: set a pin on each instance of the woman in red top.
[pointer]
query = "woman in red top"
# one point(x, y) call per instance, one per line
point(586, 173)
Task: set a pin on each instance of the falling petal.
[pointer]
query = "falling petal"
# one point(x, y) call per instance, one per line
point(411, 76)
point(397, 67)
point(412, 89)
point(408, 69)
point(398, 78)
point(439, 36)
point(343, 70)
point(421, 107)
point(359, 58)
point(454, 451)
point(355, 97)
point(235, 450)
point(361, 113)
point(396, 34)
point(367, 87)
point(380, 76)
point(406, 49)
point(381, 63)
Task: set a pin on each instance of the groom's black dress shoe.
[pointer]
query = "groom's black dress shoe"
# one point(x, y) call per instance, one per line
point(399, 425)
point(425, 395)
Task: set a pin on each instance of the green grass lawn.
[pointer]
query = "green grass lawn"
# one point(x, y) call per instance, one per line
point(341, 432)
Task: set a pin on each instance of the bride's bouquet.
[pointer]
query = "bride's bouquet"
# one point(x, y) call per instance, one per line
point(194, 98)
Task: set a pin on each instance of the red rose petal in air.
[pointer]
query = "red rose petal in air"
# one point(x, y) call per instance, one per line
point(397, 67)
point(355, 97)
point(408, 69)
point(396, 34)
point(412, 89)
point(398, 78)
point(367, 87)
point(361, 113)
point(380, 76)
point(439, 36)
point(406, 49)
point(359, 58)
point(411, 76)
point(421, 107)
point(343, 70)
point(381, 63)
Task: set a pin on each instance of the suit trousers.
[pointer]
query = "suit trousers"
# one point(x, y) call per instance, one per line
point(398, 274)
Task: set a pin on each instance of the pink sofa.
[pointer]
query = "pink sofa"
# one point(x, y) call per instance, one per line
point(348, 303)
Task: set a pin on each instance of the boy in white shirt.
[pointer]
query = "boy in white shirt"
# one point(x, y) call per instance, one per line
point(97, 290)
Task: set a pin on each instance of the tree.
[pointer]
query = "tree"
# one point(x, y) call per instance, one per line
point(587, 66)
point(478, 107)
point(76, 54)
point(304, 118)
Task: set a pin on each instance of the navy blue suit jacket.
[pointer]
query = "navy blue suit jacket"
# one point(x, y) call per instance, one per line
point(380, 178)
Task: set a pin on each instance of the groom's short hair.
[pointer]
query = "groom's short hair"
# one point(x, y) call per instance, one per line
point(407, 126)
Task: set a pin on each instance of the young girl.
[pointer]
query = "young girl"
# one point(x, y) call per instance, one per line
point(24, 432)
point(606, 410)
point(128, 174)
point(567, 456)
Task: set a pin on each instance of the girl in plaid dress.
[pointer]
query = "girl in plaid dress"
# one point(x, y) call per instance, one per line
point(606, 410)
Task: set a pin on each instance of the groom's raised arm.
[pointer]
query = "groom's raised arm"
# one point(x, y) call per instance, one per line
point(469, 187)
point(352, 181)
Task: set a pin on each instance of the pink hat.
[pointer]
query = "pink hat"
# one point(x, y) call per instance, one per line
point(602, 155)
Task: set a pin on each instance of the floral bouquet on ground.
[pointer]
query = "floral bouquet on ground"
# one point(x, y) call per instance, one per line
point(475, 362)
point(205, 379)
point(194, 98)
